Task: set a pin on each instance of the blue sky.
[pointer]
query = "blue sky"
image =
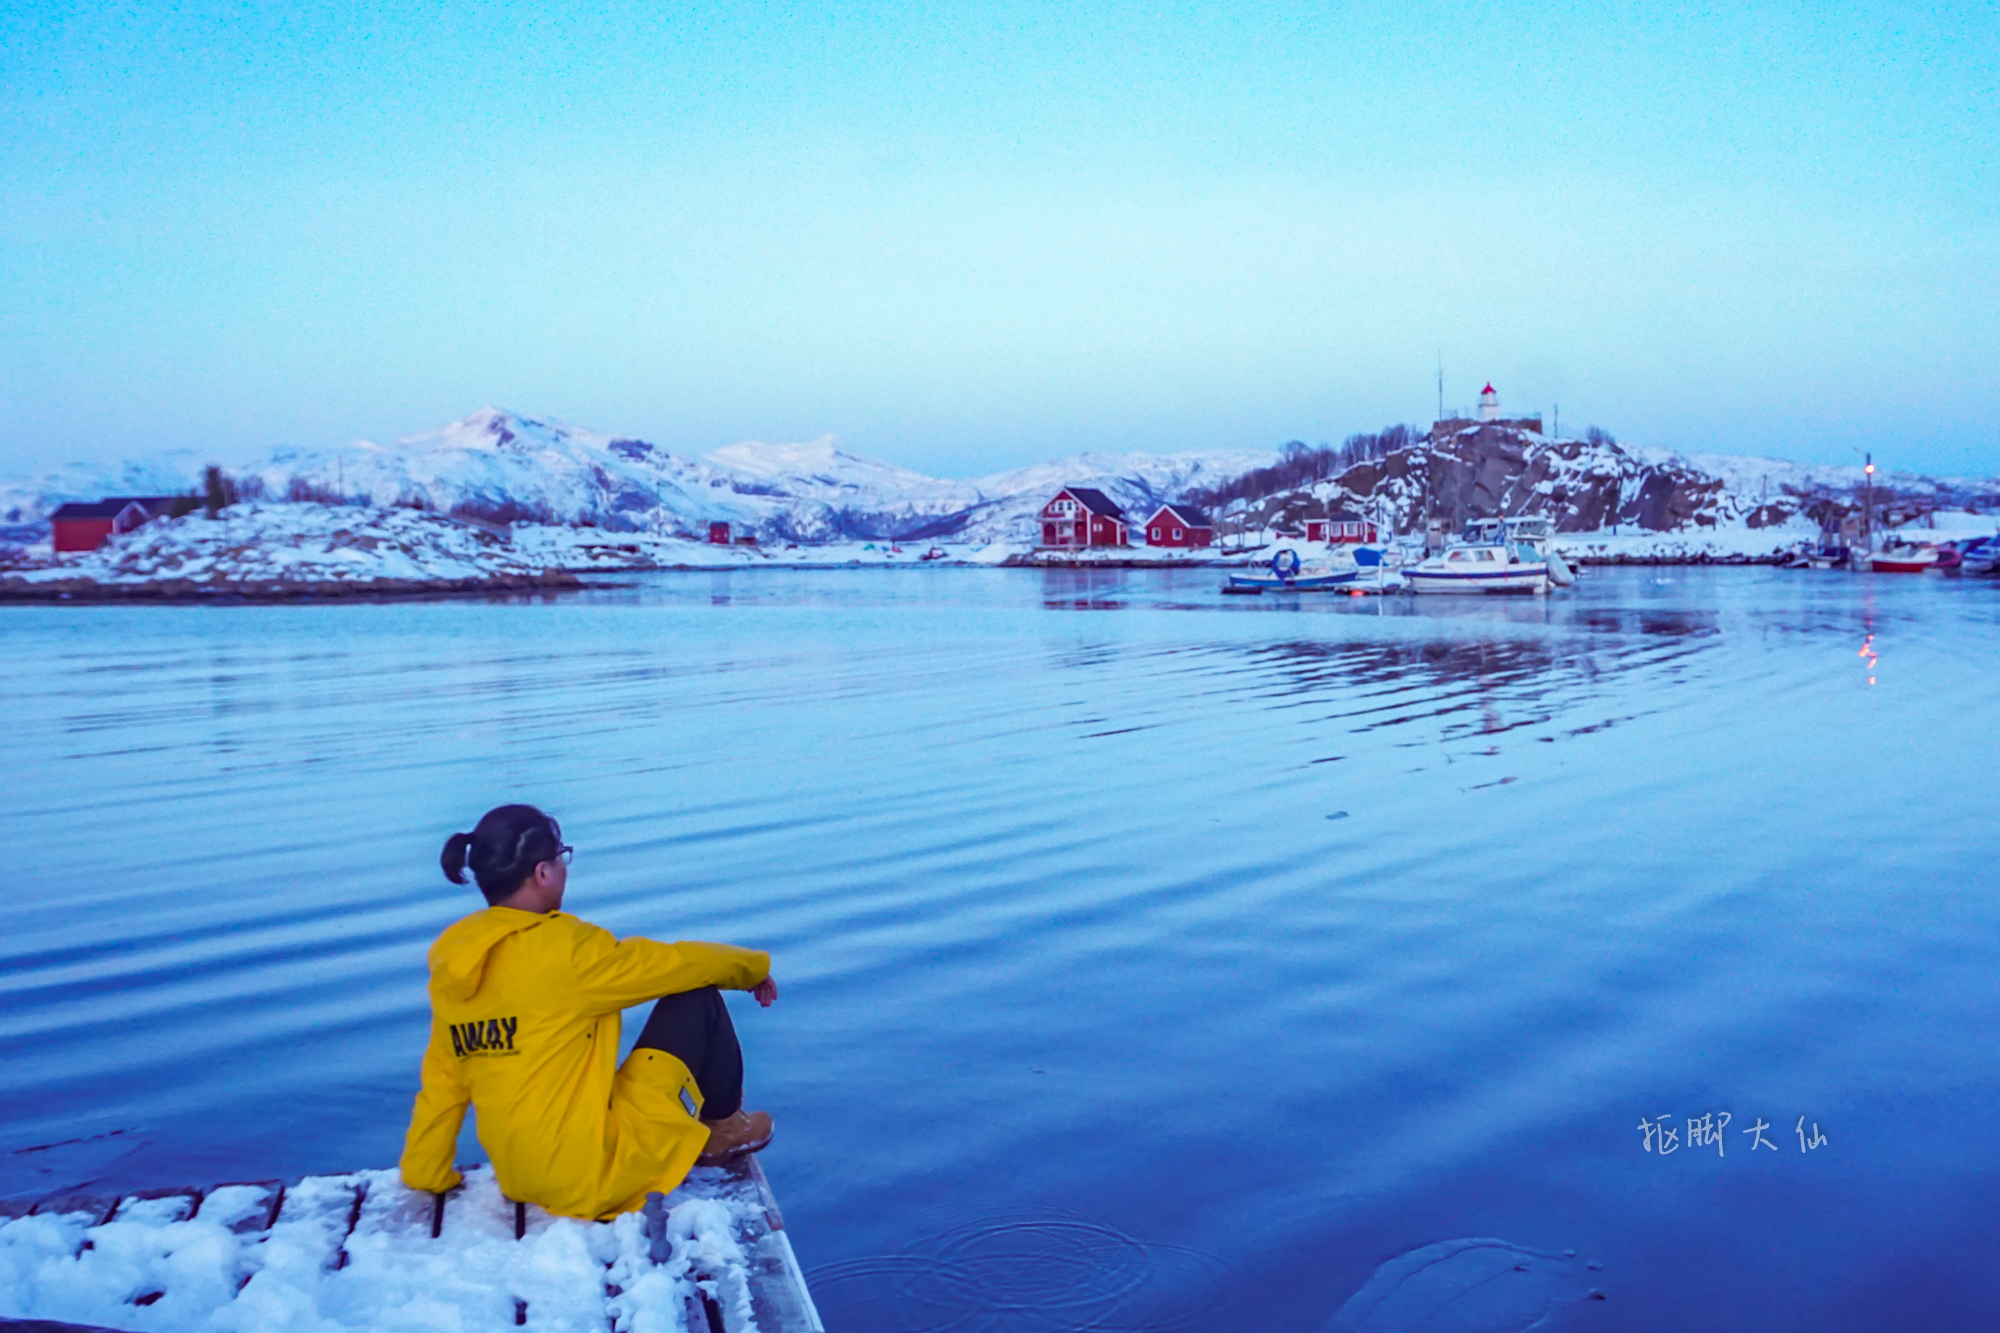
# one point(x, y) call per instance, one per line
point(969, 238)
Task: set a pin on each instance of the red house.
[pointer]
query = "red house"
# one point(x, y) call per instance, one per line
point(1080, 516)
point(1179, 525)
point(85, 527)
point(718, 534)
point(1340, 527)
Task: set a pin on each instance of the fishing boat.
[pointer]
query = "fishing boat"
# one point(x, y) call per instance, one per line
point(1290, 574)
point(1980, 557)
point(1466, 567)
point(1904, 558)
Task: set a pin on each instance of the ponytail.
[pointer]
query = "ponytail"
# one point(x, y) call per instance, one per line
point(456, 848)
point(502, 850)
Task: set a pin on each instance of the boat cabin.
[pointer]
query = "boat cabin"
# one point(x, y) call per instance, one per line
point(1472, 557)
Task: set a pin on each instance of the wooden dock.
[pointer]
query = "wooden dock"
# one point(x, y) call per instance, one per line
point(723, 1266)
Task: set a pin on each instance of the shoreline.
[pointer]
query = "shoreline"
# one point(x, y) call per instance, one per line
point(187, 592)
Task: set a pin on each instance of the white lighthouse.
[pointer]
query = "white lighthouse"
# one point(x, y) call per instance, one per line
point(1489, 403)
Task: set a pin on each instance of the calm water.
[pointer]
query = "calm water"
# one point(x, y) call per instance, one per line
point(1149, 959)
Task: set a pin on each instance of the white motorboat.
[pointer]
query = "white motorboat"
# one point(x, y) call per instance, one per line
point(1532, 531)
point(1480, 567)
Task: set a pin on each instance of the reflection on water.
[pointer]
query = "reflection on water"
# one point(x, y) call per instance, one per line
point(1175, 968)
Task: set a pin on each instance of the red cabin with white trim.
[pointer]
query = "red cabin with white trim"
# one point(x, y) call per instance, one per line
point(1081, 516)
point(1342, 527)
point(1179, 525)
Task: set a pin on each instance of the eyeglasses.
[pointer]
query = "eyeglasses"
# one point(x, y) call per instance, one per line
point(563, 853)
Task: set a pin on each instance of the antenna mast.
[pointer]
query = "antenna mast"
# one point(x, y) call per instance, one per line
point(1440, 415)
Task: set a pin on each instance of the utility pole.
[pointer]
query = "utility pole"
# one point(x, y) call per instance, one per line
point(1440, 415)
point(1868, 512)
point(1556, 422)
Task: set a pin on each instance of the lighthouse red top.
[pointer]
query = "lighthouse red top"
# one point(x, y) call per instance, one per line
point(1488, 388)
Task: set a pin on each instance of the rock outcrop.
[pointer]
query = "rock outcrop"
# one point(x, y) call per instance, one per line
point(1463, 471)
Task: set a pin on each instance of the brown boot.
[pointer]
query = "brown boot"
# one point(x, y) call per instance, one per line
point(731, 1138)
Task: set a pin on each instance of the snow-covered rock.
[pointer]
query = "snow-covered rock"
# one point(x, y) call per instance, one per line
point(1719, 505)
point(269, 550)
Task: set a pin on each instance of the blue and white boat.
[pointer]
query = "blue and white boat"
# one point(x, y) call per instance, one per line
point(1290, 574)
point(1980, 557)
point(1480, 566)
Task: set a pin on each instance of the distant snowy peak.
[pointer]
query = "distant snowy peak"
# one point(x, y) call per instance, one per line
point(32, 499)
point(821, 470)
point(502, 465)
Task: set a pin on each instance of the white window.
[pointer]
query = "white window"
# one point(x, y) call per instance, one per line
point(1177, 534)
point(1156, 534)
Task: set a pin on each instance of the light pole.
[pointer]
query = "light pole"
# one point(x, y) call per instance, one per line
point(1868, 514)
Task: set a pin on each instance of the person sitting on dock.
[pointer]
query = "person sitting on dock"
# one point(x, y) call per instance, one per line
point(525, 1005)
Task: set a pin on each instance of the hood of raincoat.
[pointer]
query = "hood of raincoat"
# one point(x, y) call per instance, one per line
point(458, 958)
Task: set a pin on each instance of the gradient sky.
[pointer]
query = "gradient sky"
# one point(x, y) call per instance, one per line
point(967, 239)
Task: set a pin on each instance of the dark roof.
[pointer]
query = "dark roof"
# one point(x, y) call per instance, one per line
point(1344, 516)
point(111, 507)
point(1188, 514)
point(1097, 502)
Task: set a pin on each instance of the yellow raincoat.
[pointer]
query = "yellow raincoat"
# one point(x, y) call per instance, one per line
point(524, 1027)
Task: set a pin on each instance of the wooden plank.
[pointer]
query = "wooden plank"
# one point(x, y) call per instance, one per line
point(393, 1209)
point(316, 1215)
point(158, 1207)
point(244, 1206)
point(97, 1207)
point(779, 1299)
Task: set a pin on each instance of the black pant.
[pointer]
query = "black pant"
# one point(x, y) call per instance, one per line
point(694, 1027)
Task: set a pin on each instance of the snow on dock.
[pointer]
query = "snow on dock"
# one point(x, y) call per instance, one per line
point(360, 1251)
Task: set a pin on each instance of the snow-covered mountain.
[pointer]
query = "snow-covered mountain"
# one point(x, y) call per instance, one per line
point(501, 465)
point(31, 499)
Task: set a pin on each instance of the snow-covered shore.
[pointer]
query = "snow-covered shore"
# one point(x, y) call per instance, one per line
point(281, 551)
point(270, 551)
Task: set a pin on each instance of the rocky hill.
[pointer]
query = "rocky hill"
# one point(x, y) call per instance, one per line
point(1464, 470)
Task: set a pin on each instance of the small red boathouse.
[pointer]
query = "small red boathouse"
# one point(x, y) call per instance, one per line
point(1179, 525)
point(85, 527)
